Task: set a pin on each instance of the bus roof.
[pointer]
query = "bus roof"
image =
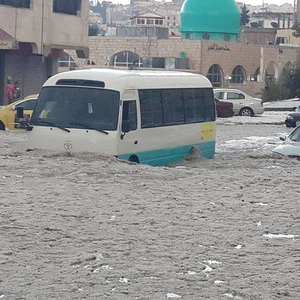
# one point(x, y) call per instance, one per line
point(134, 79)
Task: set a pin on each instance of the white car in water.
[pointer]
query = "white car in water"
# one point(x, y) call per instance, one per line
point(243, 104)
point(291, 145)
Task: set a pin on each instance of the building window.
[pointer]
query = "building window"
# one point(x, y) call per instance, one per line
point(16, 3)
point(238, 75)
point(150, 22)
point(141, 21)
point(206, 36)
point(215, 75)
point(126, 59)
point(67, 61)
point(68, 7)
point(227, 37)
point(255, 77)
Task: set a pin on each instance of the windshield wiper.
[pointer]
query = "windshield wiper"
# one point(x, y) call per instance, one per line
point(87, 126)
point(52, 125)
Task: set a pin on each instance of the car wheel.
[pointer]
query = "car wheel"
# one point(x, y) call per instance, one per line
point(2, 127)
point(246, 112)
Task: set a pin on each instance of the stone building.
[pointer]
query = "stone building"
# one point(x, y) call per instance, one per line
point(147, 24)
point(226, 62)
point(235, 65)
point(250, 35)
point(33, 34)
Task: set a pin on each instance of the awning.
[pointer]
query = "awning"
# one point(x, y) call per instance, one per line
point(7, 42)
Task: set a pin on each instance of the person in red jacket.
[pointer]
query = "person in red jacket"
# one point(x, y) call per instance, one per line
point(13, 92)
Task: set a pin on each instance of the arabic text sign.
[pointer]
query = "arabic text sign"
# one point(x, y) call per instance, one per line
point(216, 47)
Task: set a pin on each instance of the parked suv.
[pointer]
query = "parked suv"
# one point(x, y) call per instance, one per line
point(243, 104)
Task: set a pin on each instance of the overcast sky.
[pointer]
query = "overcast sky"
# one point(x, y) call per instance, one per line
point(253, 2)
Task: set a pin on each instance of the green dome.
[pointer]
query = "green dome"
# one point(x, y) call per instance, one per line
point(215, 19)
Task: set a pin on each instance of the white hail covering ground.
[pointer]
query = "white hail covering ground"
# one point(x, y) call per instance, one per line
point(289, 103)
point(91, 227)
point(268, 117)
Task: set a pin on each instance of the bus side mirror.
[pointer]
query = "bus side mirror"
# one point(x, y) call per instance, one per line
point(20, 112)
point(125, 126)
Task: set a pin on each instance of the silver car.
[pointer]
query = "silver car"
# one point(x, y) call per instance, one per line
point(291, 145)
point(243, 104)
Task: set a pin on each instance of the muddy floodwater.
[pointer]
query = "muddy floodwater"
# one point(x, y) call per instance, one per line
point(92, 227)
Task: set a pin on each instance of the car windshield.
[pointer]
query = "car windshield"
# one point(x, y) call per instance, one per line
point(77, 107)
point(295, 135)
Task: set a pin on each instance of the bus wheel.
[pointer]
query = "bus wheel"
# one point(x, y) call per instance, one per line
point(2, 127)
point(194, 153)
point(134, 158)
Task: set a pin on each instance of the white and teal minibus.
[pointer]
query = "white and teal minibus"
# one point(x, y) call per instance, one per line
point(150, 117)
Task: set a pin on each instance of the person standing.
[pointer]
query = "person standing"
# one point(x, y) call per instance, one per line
point(13, 92)
point(17, 92)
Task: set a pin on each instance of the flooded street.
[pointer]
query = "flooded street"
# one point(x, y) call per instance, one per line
point(92, 227)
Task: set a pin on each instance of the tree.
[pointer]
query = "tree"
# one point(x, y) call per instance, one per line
point(101, 9)
point(94, 29)
point(296, 28)
point(245, 17)
point(292, 80)
point(286, 87)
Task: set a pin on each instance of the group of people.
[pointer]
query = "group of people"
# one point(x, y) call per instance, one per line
point(13, 92)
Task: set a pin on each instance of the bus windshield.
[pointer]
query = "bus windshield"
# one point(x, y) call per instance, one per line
point(77, 107)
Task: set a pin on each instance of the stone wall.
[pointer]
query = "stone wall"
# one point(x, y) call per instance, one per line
point(201, 55)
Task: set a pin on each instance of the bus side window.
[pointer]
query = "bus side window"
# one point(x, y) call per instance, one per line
point(208, 98)
point(129, 115)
